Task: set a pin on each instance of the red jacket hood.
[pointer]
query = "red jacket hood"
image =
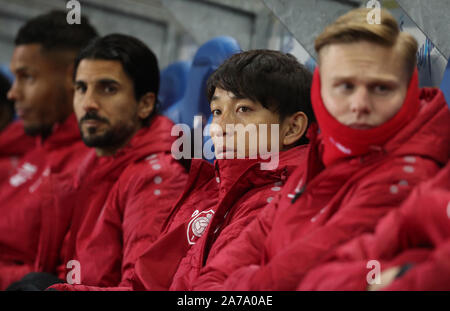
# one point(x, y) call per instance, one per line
point(231, 176)
point(63, 134)
point(230, 171)
point(430, 128)
point(13, 139)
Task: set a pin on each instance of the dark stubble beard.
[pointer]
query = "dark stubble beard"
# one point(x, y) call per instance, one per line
point(43, 130)
point(112, 138)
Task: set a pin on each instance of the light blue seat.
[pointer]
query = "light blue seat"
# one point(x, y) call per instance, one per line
point(206, 60)
point(4, 70)
point(445, 84)
point(173, 82)
point(311, 64)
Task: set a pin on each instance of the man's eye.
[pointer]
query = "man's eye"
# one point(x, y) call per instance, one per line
point(345, 86)
point(80, 88)
point(25, 76)
point(244, 109)
point(381, 89)
point(110, 89)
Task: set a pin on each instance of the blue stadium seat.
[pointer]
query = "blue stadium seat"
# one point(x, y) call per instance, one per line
point(4, 70)
point(445, 84)
point(311, 64)
point(173, 82)
point(207, 59)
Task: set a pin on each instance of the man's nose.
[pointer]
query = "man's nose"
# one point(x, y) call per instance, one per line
point(219, 126)
point(13, 93)
point(90, 102)
point(361, 102)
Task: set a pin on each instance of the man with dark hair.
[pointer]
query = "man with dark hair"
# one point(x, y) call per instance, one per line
point(42, 63)
point(110, 48)
point(264, 89)
point(42, 92)
point(123, 190)
point(282, 87)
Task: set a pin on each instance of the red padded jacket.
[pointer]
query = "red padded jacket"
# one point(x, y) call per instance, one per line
point(327, 207)
point(23, 198)
point(217, 205)
point(118, 205)
point(14, 143)
point(418, 233)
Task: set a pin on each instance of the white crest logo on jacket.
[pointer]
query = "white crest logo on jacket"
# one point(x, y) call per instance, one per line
point(198, 224)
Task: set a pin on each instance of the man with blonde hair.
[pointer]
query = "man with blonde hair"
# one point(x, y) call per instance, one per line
point(380, 135)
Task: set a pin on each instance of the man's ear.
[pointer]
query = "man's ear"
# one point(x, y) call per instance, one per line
point(294, 127)
point(146, 105)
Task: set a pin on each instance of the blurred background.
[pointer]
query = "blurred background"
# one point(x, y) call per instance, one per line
point(175, 29)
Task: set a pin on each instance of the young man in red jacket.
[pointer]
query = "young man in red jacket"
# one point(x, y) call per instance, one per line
point(379, 137)
point(258, 88)
point(42, 92)
point(409, 250)
point(124, 188)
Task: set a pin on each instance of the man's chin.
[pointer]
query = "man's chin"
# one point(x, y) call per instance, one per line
point(104, 140)
point(33, 130)
point(94, 141)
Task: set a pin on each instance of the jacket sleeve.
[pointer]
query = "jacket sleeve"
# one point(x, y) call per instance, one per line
point(131, 220)
point(431, 275)
point(364, 205)
point(145, 212)
point(412, 231)
point(155, 268)
point(243, 252)
point(345, 268)
point(356, 275)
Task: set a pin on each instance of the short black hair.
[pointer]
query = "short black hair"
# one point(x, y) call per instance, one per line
point(54, 33)
point(137, 59)
point(274, 79)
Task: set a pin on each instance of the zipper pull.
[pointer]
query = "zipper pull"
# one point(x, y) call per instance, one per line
point(298, 194)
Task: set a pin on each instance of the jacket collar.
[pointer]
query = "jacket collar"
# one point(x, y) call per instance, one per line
point(63, 134)
point(145, 143)
point(248, 172)
point(427, 135)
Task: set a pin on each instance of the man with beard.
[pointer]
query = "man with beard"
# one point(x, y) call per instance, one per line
point(42, 92)
point(125, 186)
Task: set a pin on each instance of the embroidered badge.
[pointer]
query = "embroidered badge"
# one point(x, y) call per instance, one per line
point(198, 224)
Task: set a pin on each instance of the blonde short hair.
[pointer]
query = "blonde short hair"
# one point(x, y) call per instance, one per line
point(353, 27)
